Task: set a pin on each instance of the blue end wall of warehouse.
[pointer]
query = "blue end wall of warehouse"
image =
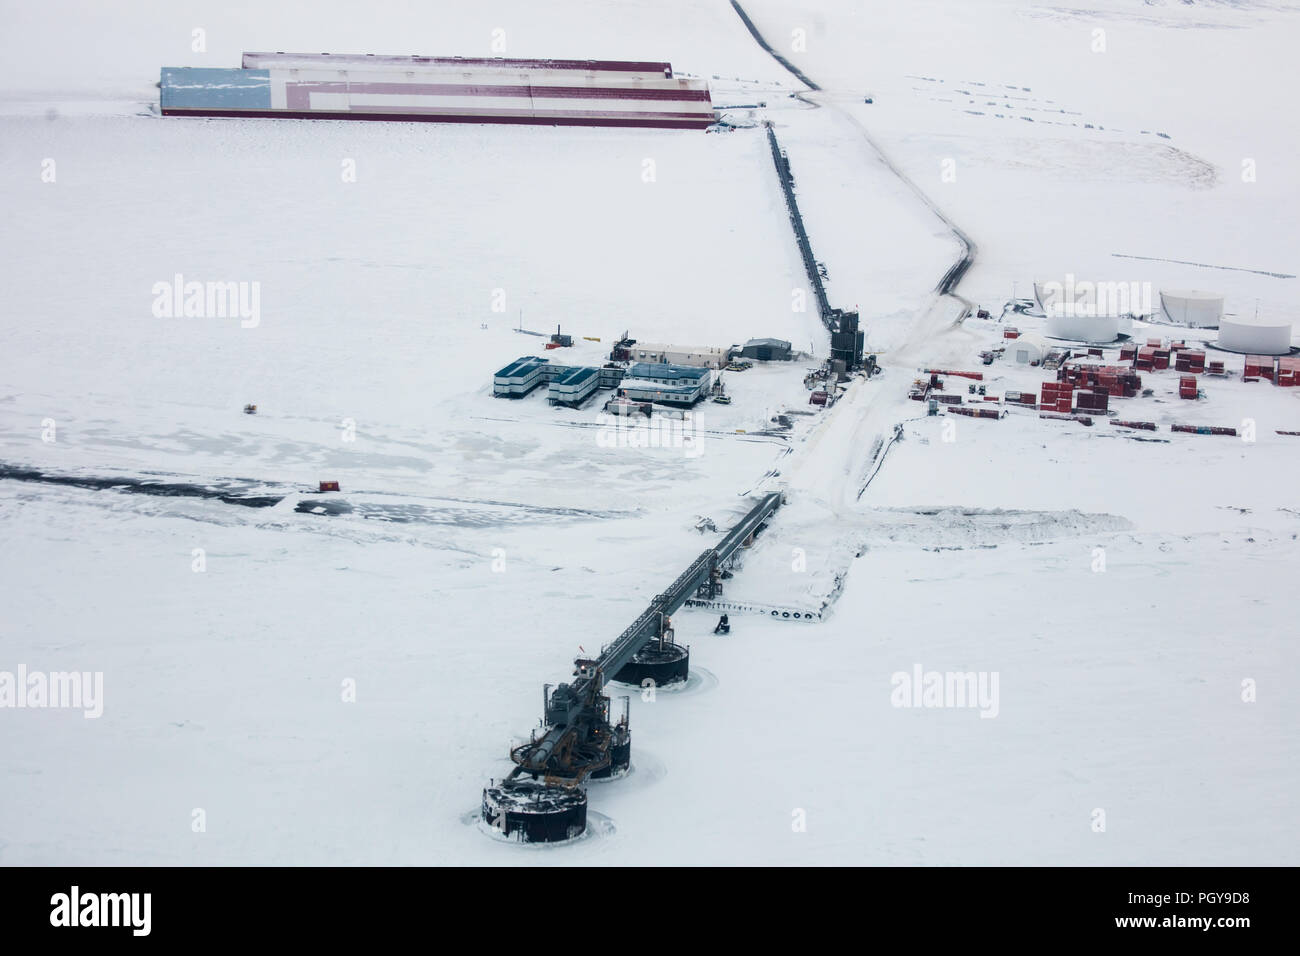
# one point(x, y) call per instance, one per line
point(187, 87)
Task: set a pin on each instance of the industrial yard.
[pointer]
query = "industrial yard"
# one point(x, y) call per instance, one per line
point(524, 396)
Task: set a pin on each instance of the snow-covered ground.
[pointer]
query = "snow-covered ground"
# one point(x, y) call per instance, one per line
point(1126, 594)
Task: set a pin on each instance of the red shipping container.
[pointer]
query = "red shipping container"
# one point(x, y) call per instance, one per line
point(329, 486)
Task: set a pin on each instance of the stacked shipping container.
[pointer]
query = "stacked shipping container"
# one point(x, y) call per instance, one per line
point(1288, 371)
point(1116, 381)
point(1202, 430)
point(1258, 366)
point(1057, 397)
point(1091, 401)
point(976, 412)
point(1152, 358)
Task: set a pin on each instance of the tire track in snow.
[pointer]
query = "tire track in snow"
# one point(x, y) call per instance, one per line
point(838, 486)
point(949, 281)
point(758, 38)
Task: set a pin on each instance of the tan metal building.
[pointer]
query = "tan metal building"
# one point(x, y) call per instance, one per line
point(705, 356)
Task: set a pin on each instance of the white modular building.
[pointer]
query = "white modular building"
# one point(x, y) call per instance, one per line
point(701, 356)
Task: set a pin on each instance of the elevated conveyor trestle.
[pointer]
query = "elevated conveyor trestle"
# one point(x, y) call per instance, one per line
point(579, 736)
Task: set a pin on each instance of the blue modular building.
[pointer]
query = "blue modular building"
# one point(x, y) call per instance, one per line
point(666, 384)
point(610, 377)
point(574, 386)
point(570, 384)
point(637, 391)
point(520, 377)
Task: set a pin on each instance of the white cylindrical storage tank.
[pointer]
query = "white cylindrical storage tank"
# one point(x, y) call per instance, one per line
point(1055, 297)
point(1254, 336)
point(1196, 310)
point(1084, 328)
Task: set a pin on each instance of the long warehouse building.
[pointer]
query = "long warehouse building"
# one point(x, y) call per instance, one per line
point(441, 90)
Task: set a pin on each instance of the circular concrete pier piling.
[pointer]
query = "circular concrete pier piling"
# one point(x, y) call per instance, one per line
point(667, 665)
point(536, 812)
point(620, 756)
